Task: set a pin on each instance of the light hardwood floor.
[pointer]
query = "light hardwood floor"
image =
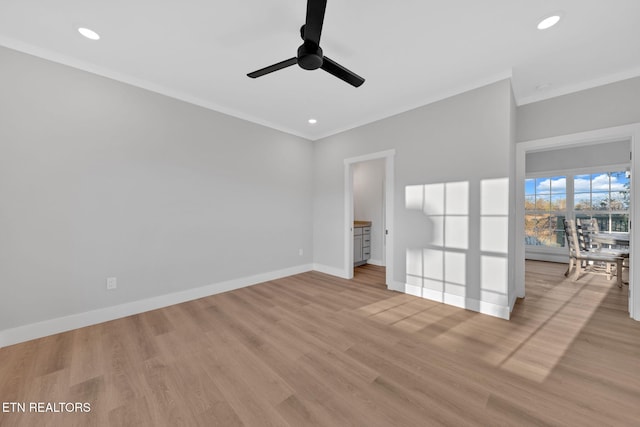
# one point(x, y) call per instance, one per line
point(312, 349)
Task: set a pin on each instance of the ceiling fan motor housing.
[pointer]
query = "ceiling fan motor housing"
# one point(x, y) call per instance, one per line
point(309, 56)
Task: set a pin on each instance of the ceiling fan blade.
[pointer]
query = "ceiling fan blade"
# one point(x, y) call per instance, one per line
point(340, 72)
point(315, 18)
point(275, 67)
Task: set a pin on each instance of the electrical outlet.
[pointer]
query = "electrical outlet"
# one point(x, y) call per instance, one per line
point(112, 283)
point(300, 252)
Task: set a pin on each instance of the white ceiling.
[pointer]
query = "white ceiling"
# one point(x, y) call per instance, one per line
point(410, 52)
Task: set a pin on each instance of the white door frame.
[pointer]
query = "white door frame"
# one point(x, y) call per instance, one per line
point(628, 132)
point(388, 156)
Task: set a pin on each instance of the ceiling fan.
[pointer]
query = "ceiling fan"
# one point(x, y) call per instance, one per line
point(310, 55)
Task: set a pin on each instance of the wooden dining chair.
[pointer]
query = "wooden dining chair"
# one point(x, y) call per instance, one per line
point(585, 261)
point(586, 229)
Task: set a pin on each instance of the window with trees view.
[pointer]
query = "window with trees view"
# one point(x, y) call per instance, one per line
point(545, 208)
point(604, 196)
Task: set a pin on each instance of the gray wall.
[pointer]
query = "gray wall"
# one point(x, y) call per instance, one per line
point(605, 106)
point(98, 178)
point(612, 153)
point(368, 202)
point(463, 144)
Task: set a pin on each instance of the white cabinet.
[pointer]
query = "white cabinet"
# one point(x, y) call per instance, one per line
point(361, 242)
point(357, 249)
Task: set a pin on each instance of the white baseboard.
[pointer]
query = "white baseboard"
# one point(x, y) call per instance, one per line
point(377, 262)
point(338, 272)
point(483, 307)
point(512, 302)
point(79, 320)
point(396, 286)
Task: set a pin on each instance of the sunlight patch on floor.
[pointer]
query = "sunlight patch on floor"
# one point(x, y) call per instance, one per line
point(539, 353)
point(386, 304)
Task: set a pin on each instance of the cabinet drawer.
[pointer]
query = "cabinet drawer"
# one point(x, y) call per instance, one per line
point(366, 240)
point(357, 231)
point(366, 230)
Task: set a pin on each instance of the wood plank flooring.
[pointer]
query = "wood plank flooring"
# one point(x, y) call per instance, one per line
point(313, 349)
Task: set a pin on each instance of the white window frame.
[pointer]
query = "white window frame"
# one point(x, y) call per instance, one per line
point(549, 253)
point(546, 253)
point(609, 212)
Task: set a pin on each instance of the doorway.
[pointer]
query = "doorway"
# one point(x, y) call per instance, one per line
point(608, 136)
point(385, 228)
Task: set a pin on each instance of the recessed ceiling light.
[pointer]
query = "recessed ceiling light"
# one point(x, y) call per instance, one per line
point(312, 121)
point(90, 34)
point(549, 21)
point(543, 86)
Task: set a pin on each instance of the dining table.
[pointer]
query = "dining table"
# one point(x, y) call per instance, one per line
point(614, 239)
point(611, 238)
